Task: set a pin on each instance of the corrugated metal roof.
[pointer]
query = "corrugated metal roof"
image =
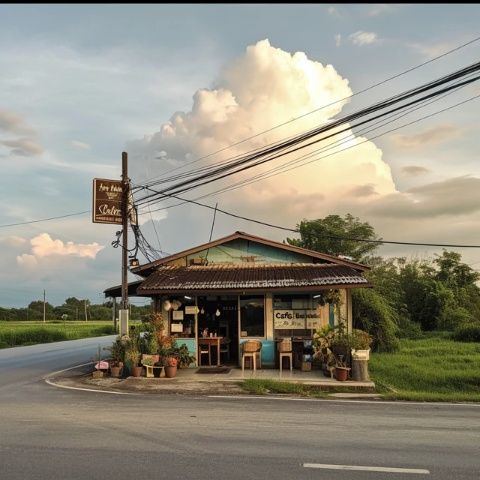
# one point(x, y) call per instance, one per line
point(228, 277)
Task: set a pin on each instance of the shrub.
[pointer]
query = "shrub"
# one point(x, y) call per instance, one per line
point(373, 314)
point(467, 333)
point(409, 329)
point(453, 317)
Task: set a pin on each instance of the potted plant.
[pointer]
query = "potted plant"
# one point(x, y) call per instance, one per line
point(133, 355)
point(182, 355)
point(171, 367)
point(117, 351)
point(360, 344)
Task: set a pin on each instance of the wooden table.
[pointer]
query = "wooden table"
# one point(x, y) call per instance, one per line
point(211, 341)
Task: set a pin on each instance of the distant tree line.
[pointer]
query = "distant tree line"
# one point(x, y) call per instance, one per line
point(71, 309)
point(410, 296)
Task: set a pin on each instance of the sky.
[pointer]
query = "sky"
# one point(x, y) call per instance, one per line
point(175, 84)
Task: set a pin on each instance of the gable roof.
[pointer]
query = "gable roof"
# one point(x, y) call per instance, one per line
point(230, 278)
point(146, 269)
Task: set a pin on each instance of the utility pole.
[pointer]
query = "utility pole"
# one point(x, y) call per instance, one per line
point(43, 305)
point(123, 313)
point(85, 303)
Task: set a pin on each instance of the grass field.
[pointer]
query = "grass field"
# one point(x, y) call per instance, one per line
point(429, 369)
point(14, 334)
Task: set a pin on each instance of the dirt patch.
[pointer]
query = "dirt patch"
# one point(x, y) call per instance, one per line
point(151, 385)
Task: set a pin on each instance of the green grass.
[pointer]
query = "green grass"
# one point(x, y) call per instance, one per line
point(14, 334)
point(261, 387)
point(429, 369)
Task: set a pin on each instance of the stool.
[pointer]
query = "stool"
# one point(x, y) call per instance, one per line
point(253, 356)
point(286, 355)
point(285, 350)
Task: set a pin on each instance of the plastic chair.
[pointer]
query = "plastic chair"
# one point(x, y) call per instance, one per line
point(250, 349)
point(285, 351)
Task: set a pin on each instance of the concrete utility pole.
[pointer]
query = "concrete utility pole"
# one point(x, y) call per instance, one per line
point(123, 313)
point(85, 302)
point(44, 306)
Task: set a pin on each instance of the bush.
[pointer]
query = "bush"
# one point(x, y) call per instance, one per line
point(453, 317)
point(373, 314)
point(409, 329)
point(467, 333)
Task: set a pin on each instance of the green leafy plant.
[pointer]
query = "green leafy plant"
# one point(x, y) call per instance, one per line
point(148, 361)
point(117, 352)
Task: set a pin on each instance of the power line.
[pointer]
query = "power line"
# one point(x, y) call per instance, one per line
point(44, 219)
point(281, 169)
point(393, 242)
point(290, 146)
point(325, 106)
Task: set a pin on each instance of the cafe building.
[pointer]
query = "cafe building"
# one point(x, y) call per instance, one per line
point(243, 287)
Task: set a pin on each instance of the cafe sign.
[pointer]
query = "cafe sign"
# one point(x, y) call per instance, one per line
point(296, 319)
point(107, 201)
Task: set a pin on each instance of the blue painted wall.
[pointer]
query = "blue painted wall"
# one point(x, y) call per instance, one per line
point(232, 252)
point(268, 352)
point(191, 345)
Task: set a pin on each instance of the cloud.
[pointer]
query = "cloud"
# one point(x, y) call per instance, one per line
point(379, 9)
point(26, 260)
point(80, 145)
point(361, 38)
point(44, 246)
point(363, 191)
point(432, 50)
point(11, 122)
point(338, 40)
point(432, 136)
point(13, 241)
point(264, 87)
point(414, 170)
point(23, 147)
point(333, 11)
point(25, 144)
point(452, 197)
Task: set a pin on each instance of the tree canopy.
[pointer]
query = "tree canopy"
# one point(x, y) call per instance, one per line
point(337, 235)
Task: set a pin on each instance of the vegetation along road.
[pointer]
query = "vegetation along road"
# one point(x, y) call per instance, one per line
point(49, 432)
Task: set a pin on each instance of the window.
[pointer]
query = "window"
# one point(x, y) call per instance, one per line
point(252, 316)
point(297, 315)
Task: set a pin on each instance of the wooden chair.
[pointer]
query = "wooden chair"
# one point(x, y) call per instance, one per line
point(225, 347)
point(204, 349)
point(250, 349)
point(285, 351)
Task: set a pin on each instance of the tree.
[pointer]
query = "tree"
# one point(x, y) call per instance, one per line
point(337, 236)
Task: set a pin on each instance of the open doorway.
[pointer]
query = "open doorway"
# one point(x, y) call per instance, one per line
point(218, 315)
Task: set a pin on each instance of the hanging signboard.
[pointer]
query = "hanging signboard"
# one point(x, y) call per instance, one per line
point(107, 201)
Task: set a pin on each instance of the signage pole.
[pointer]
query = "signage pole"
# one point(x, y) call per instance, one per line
point(125, 192)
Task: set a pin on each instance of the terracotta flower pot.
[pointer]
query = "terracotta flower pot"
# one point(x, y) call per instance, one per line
point(116, 371)
point(341, 373)
point(137, 371)
point(170, 372)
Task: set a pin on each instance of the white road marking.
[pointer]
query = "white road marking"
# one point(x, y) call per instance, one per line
point(367, 469)
point(87, 389)
point(339, 400)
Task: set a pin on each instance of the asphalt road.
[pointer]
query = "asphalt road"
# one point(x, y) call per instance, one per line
point(52, 433)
